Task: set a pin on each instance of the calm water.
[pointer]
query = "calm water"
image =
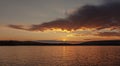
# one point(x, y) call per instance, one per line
point(60, 56)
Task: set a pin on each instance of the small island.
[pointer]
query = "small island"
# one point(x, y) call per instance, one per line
point(33, 43)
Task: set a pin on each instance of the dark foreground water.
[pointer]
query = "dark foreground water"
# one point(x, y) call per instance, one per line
point(60, 56)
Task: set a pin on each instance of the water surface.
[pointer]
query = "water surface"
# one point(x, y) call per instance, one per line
point(59, 56)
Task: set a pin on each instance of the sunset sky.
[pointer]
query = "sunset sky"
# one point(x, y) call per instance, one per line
point(66, 20)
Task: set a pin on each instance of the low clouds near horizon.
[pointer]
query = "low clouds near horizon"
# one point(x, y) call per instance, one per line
point(109, 34)
point(97, 17)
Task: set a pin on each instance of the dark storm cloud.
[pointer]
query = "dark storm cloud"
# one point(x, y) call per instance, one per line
point(98, 17)
point(110, 1)
point(109, 34)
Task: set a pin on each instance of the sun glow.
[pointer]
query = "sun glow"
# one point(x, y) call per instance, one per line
point(64, 39)
point(70, 35)
point(60, 30)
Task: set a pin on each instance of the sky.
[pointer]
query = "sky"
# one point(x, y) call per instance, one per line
point(66, 20)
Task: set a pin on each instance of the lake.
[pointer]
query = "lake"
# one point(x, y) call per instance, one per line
point(60, 56)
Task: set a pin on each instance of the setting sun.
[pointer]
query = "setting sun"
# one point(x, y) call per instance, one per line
point(64, 39)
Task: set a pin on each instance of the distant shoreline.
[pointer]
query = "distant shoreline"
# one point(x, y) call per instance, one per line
point(89, 43)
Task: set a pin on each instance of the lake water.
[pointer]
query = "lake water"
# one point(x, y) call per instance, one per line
point(60, 56)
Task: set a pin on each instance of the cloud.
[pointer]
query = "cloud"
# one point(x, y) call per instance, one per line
point(110, 1)
point(98, 17)
point(21, 27)
point(108, 34)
